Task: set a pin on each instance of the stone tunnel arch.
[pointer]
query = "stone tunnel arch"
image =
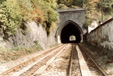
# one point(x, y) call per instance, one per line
point(68, 29)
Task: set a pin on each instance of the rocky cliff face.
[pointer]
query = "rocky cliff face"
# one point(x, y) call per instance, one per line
point(35, 33)
point(103, 35)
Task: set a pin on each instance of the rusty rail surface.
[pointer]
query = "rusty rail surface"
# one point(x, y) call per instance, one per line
point(39, 64)
point(18, 67)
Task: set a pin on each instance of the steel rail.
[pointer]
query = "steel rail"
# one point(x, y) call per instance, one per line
point(70, 63)
point(44, 67)
point(100, 69)
point(26, 62)
point(39, 64)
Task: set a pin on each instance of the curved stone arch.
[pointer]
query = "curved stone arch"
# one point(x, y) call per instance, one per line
point(61, 26)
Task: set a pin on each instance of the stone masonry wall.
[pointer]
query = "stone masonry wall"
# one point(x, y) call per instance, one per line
point(102, 36)
point(34, 33)
point(77, 16)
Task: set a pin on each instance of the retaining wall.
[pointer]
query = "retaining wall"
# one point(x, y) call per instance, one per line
point(102, 36)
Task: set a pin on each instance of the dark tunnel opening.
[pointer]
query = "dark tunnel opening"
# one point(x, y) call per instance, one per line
point(71, 29)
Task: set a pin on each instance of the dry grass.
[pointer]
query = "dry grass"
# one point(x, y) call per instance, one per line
point(38, 15)
point(13, 54)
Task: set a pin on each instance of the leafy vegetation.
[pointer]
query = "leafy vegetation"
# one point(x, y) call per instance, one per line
point(86, 24)
point(95, 9)
point(10, 17)
point(106, 7)
point(14, 14)
point(70, 3)
point(16, 52)
point(37, 45)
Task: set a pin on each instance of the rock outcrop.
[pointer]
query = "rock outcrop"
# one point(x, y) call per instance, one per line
point(34, 33)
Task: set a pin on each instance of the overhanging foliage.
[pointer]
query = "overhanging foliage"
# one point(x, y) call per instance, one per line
point(14, 13)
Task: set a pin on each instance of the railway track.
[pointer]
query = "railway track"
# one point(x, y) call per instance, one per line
point(78, 64)
point(29, 67)
point(90, 59)
point(79, 53)
point(73, 67)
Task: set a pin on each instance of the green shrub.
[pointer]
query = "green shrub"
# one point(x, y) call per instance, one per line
point(50, 15)
point(15, 13)
point(63, 6)
point(10, 18)
point(87, 22)
point(37, 45)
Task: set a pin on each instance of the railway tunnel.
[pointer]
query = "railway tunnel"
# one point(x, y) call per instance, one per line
point(69, 32)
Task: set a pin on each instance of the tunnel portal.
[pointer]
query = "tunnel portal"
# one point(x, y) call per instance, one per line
point(71, 29)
